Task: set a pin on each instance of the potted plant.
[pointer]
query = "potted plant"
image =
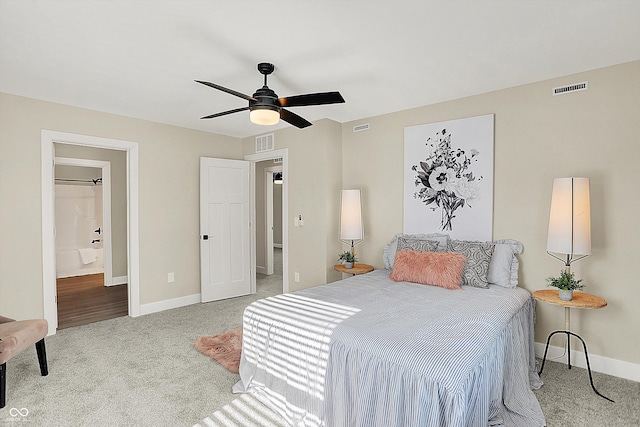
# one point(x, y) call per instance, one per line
point(348, 258)
point(566, 283)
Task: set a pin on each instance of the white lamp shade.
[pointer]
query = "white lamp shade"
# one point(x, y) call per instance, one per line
point(570, 217)
point(263, 116)
point(351, 215)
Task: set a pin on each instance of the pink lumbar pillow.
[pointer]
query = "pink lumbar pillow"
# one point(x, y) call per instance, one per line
point(443, 269)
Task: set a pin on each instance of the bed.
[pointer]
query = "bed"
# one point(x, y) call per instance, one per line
point(372, 351)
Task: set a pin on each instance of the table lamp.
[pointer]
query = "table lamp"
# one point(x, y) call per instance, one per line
point(569, 220)
point(351, 227)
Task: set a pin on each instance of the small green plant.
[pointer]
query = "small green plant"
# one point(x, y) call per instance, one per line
point(347, 256)
point(566, 281)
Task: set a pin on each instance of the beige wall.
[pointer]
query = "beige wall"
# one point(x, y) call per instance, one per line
point(538, 137)
point(314, 182)
point(168, 197)
point(118, 166)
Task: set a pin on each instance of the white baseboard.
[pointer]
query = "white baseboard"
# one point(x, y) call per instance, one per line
point(120, 280)
point(155, 307)
point(277, 245)
point(605, 365)
point(261, 270)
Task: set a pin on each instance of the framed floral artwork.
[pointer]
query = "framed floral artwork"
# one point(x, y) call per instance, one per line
point(448, 178)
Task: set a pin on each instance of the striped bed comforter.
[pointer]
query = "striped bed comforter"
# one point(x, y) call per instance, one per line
point(367, 351)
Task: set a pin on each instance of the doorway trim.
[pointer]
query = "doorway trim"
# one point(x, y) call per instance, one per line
point(105, 168)
point(48, 138)
point(270, 155)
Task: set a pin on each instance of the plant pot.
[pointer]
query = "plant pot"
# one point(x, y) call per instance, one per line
point(348, 265)
point(565, 295)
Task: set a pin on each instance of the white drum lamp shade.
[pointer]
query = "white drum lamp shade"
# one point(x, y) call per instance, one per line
point(351, 228)
point(264, 116)
point(570, 219)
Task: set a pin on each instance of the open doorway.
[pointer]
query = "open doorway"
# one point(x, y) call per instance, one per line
point(86, 288)
point(132, 243)
point(277, 159)
point(268, 205)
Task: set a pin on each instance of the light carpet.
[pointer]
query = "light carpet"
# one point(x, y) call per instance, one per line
point(127, 371)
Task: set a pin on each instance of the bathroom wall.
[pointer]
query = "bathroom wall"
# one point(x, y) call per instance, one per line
point(78, 214)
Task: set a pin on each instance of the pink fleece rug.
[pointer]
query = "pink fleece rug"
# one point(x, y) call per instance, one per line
point(224, 348)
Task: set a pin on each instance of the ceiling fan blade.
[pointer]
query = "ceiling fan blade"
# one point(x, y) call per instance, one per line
point(224, 113)
point(312, 99)
point(224, 89)
point(294, 119)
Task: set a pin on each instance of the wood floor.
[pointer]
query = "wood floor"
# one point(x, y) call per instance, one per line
point(85, 299)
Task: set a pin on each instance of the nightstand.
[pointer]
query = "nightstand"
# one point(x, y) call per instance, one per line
point(356, 269)
point(580, 300)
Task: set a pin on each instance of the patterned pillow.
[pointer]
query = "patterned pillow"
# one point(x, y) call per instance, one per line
point(389, 252)
point(443, 269)
point(418, 245)
point(478, 258)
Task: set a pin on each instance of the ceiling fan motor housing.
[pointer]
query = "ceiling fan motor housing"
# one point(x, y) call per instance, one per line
point(265, 98)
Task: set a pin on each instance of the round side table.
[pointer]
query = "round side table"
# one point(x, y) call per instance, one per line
point(356, 269)
point(579, 300)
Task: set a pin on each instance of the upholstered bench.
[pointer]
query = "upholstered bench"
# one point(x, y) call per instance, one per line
point(15, 336)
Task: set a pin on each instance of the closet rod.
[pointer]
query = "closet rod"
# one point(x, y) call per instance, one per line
point(94, 181)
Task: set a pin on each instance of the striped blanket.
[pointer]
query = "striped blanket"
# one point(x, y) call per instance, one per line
point(367, 351)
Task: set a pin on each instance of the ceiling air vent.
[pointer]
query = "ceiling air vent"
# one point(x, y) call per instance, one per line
point(264, 143)
point(360, 128)
point(576, 87)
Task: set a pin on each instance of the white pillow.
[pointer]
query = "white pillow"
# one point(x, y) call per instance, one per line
point(389, 252)
point(503, 268)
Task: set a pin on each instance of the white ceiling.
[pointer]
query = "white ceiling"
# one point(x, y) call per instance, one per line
point(139, 58)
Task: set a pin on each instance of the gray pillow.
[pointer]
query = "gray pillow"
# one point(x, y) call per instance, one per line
point(418, 245)
point(478, 258)
point(389, 252)
point(503, 268)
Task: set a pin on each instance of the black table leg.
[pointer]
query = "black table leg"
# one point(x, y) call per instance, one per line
point(586, 355)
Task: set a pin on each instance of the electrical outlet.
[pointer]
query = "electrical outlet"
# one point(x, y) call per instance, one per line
point(296, 277)
point(171, 278)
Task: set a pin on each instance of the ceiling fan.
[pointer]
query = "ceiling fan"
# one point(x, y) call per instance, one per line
point(267, 109)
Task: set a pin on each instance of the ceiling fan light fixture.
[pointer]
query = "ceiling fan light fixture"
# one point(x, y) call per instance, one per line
point(264, 116)
point(266, 108)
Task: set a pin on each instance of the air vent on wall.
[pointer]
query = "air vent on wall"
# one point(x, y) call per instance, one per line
point(360, 128)
point(264, 143)
point(277, 160)
point(570, 88)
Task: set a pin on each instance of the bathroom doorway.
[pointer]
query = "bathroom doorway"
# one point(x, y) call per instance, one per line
point(86, 288)
point(131, 252)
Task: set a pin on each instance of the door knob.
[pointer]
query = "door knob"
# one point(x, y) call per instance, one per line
point(205, 237)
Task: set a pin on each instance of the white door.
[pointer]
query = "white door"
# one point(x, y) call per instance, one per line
point(225, 239)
